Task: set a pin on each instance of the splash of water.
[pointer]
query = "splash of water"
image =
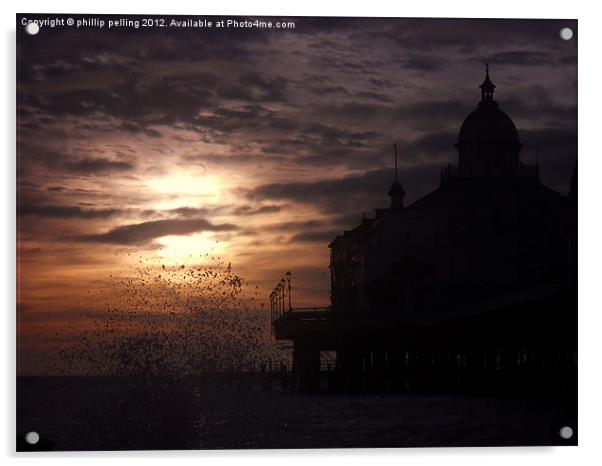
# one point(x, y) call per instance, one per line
point(163, 320)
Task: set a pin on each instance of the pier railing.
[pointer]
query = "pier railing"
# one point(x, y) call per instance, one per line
point(302, 314)
point(281, 306)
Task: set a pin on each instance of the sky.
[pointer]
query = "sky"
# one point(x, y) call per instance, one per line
point(175, 146)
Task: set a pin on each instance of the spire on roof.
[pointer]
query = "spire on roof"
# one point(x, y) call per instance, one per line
point(396, 191)
point(487, 87)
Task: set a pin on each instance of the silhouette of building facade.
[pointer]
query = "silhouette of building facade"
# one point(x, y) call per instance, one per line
point(476, 280)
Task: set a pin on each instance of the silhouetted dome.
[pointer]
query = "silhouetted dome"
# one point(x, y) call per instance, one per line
point(487, 124)
point(488, 143)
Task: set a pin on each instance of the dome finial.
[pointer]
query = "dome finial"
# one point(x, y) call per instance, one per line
point(487, 87)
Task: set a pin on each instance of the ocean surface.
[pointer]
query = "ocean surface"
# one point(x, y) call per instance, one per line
point(234, 411)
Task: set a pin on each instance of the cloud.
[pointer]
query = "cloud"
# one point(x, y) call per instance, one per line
point(336, 93)
point(189, 212)
point(58, 211)
point(143, 233)
point(430, 35)
point(353, 193)
point(138, 129)
point(253, 86)
point(292, 226)
point(537, 105)
point(134, 104)
point(253, 210)
point(430, 147)
point(313, 231)
point(428, 114)
point(520, 57)
point(557, 154)
point(91, 166)
point(421, 63)
point(312, 236)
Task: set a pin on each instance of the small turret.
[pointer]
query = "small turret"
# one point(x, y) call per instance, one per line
point(487, 88)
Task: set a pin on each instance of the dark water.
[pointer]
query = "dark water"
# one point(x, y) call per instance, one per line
point(241, 411)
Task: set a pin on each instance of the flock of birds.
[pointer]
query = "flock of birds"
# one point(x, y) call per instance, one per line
point(172, 320)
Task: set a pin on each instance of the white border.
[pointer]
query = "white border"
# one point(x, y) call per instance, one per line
point(590, 168)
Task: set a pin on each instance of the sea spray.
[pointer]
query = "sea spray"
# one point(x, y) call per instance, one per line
point(165, 330)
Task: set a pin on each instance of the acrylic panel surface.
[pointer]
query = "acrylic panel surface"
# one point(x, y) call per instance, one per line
point(295, 232)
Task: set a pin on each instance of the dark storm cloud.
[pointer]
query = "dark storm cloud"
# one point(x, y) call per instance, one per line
point(537, 104)
point(421, 63)
point(433, 111)
point(552, 139)
point(90, 166)
point(520, 57)
point(255, 87)
point(329, 134)
point(313, 231)
point(138, 129)
point(292, 226)
point(327, 90)
point(143, 233)
point(430, 35)
point(317, 231)
point(164, 102)
point(182, 212)
point(354, 193)
point(314, 236)
point(58, 211)
point(426, 114)
point(189, 212)
point(370, 95)
point(280, 134)
point(430, 147)
point(31, 155)
point(254, 210)
point(568, 60)
point(343, 109)
point(62, 162)
point(138, 91)
point(367, 150)
point(250, 117)
point(126, 47)
point(320, 144)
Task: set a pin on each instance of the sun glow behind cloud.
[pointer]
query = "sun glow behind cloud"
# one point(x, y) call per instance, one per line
point(189, 249)
point(187, 184)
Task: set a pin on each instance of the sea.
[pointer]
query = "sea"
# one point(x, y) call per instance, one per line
point(261, 411)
